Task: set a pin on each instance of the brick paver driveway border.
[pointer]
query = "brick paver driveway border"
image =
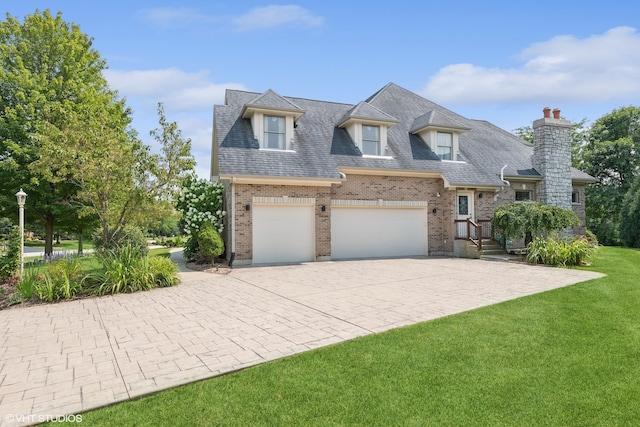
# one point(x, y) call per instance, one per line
point(73, 356)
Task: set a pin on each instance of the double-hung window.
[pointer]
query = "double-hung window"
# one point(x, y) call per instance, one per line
point(274, 133)
point(371, 140)
point(444, 148)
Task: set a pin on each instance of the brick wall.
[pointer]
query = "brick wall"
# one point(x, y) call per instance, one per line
point(244, 197)
point(356, 187)
point(391, 188)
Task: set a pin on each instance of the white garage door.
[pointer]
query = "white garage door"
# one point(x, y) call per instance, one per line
point(283, 233)
point(378, 232)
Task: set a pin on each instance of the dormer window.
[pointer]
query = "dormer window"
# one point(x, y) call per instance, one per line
point(440, 132)
point(367, 126)
point(273, 120)
point(274, 133)
point(444, 148)
point(371, 140)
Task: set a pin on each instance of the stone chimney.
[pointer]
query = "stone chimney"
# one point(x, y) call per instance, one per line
point(552, 158)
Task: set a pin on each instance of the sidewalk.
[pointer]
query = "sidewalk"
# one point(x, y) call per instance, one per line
point(74, 356)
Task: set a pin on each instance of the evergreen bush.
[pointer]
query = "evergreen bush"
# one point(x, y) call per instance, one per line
point(210, 242)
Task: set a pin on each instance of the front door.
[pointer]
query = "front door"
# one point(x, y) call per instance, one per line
point(464, 210)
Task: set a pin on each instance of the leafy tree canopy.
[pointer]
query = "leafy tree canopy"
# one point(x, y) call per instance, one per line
point(531, 219)
point(49, 72)
point(611, 154)
point(65, 136)
point(630, 216)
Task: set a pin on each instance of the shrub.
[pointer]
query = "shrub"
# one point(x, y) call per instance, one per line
point(26, 288)
point(191, 248)
point(560, 252)
point(60, 280)
point(128, 237)
point(173, 242)
point(10, 260)
point(164, 271)
point(530, 219)
point(127, 270)
point(210, 242)
point(200, 202)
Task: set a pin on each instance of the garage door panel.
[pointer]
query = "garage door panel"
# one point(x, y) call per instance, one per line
point(377, 232)
point(283, 233)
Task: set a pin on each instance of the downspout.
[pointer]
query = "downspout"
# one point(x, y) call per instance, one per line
point(233, 221)
point(502, 176)
point(496, 197)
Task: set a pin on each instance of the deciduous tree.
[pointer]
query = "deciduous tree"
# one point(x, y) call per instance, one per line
point(48, 72)
point(630, 216)
point(612, 154)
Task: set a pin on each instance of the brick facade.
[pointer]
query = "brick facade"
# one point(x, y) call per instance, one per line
point(372, 188)
point(356, 187)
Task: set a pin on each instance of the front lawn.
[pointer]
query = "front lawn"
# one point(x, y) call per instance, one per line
point(64, 245)
point(564, 357)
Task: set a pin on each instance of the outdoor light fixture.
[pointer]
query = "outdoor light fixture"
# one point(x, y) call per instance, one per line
point(247, 208)
point(480, 196)
point(22, 198)
point(434, 210)
point(324, 208)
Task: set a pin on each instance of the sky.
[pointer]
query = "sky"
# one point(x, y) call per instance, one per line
point(500, 61)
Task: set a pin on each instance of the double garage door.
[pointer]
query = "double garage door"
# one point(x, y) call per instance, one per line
point(370, 232)
point(286, 233)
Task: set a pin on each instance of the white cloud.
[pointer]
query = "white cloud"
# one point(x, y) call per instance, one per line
point(274, 16)
point(188, 99)
point(177, 89)
point(598, 68)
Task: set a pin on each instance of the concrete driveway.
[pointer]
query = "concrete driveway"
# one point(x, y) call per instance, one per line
point(73, 356)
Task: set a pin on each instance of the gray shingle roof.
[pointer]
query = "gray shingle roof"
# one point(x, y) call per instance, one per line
point(320, 147)
point(366, 111)
point(435, 119)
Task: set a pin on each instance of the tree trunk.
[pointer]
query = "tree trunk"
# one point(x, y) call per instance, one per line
point(80, 236)
point(48, 235)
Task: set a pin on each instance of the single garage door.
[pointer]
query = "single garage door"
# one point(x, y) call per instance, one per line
point(283, 233)
point(367, 232)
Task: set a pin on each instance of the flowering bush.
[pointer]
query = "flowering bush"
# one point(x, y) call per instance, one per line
point(200, 201)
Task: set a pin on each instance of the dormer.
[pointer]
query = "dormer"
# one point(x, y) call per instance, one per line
point(367, 127)
point(273, 119)
point(440, 132)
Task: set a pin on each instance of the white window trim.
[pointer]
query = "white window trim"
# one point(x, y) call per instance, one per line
point(257, 123)
point(452, 147)
point(430, 136)
point(355, 131)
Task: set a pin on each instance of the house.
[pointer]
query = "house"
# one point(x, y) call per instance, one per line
point(394, 175)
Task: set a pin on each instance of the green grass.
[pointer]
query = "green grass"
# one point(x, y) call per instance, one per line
point(570, 356)
point(65, 245)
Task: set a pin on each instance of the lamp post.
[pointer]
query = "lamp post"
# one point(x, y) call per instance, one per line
point(22, 197)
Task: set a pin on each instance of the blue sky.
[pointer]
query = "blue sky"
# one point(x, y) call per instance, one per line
point(497, 61)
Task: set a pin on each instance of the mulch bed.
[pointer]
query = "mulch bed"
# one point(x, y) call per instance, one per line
point(221, 267)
